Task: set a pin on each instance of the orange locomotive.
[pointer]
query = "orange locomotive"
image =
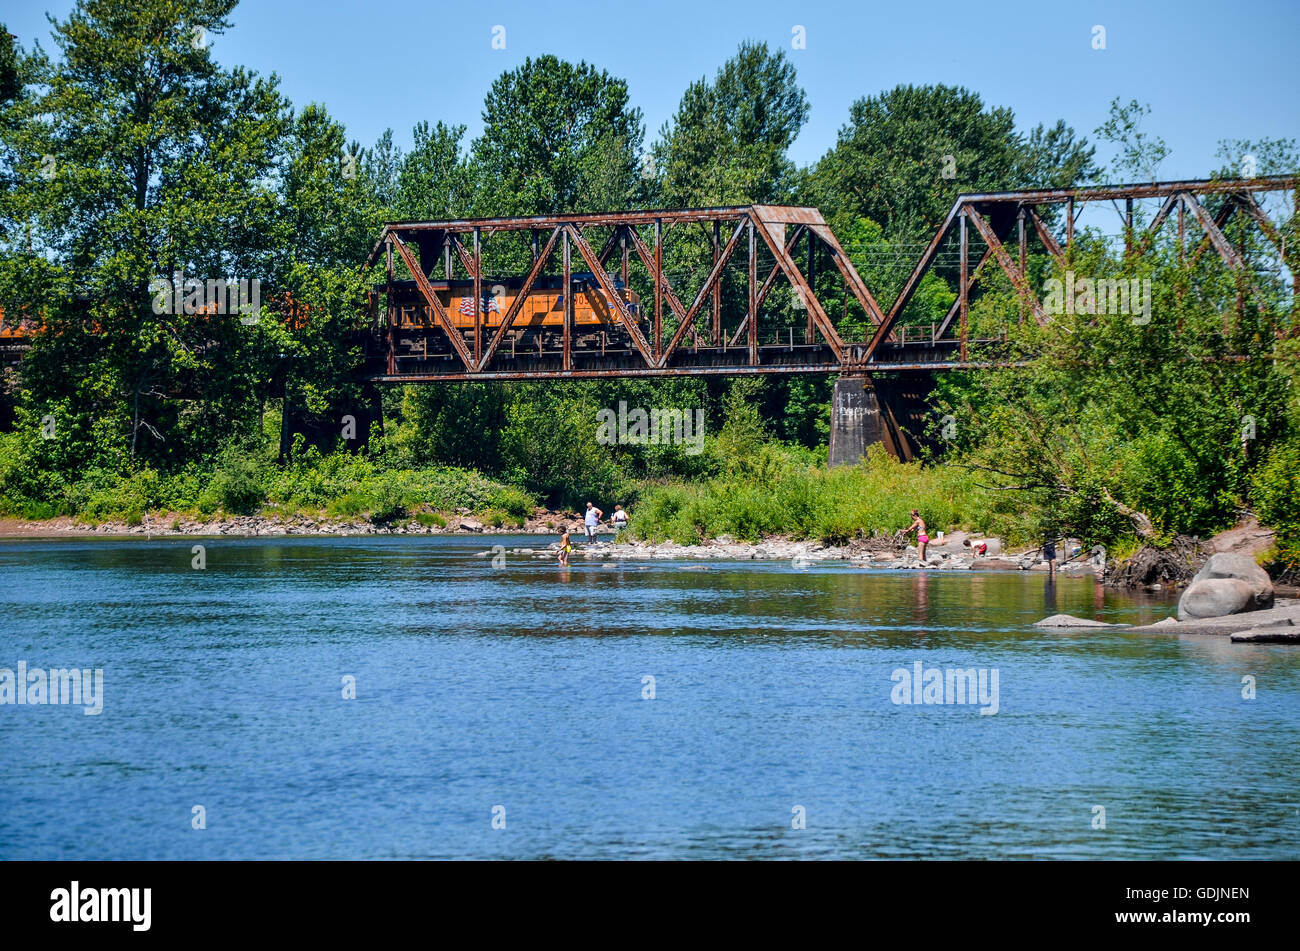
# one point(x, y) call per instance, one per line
point(543, 308)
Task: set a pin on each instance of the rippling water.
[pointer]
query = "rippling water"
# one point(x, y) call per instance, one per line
point(522, 688)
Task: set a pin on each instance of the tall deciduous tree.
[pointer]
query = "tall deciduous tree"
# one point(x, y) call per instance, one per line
point(435, 179)
point(727, 143)
point(557, 137)
point(904, 156)
point(140, 156)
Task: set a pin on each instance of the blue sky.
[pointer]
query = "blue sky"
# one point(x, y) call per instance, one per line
point(391, 63)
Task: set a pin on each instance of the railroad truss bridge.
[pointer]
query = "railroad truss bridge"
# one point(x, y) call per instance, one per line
point(592, 296)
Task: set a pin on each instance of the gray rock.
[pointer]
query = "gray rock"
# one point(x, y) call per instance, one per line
point(1274, 632)
point(1242, 567)
point(471, 525)
point(1068, 620)
point(1214, 597)
point(1228, 584)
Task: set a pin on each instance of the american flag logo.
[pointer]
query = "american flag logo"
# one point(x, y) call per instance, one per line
point(489, 306)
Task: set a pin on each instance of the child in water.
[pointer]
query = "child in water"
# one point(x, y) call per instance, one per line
point(565, 548)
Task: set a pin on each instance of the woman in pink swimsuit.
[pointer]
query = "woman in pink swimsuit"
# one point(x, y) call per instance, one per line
point(922, 539)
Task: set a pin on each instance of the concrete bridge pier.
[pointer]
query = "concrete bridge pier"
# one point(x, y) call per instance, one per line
point(862, 414)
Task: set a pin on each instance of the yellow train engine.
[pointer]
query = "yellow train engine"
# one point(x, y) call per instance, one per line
point(539, 324)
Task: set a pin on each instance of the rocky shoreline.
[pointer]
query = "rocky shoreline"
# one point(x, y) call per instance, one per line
point(945, 553)
point(266, 525)
point(950, 554)
point(1279, 624)
point(883, 552)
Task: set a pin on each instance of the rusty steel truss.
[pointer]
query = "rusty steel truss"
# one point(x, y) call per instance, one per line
point(693, 339)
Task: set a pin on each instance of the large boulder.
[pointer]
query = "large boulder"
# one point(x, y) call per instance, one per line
point(1228, 584)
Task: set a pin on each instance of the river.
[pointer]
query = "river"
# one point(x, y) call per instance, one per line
point(643, 710)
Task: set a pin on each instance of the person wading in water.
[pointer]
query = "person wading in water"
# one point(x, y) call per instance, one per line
point(565, 548)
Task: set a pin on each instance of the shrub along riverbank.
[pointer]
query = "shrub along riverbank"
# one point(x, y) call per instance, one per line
point(337, 485)
point(749, 486)
point(779, 491)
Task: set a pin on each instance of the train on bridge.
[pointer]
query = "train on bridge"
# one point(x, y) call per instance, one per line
point(539, 322)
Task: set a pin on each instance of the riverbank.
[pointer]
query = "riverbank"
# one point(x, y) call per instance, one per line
point(949, 553)
point(882, 552)
point(542, 522)
point(952, 553)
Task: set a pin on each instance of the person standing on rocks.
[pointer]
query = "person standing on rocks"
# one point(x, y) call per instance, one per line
point(922, 539)
point(592, 521)
point(618, 519)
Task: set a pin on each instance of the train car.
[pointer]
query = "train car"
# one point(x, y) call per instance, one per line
point(542, 309)
point(16, 334)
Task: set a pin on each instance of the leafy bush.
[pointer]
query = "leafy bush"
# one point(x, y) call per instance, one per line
point(1276, 494)
point(513, 502)
point(235, 486)
point(499, 519)
point(385, 501)
point(127, 497)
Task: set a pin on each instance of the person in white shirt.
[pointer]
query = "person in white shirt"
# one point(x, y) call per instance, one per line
point(592, 521)
point(619, 519)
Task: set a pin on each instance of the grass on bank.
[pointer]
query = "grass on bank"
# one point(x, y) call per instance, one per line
point(780, 492)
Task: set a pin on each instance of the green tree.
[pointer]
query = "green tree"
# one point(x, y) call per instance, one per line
point(556, 137)
point(1138, 154)
point(727, 143)
point(905, 155)
point(435, 180)
point(139, 157)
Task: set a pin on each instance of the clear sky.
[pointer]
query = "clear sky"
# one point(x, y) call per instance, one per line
point(391, 63)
